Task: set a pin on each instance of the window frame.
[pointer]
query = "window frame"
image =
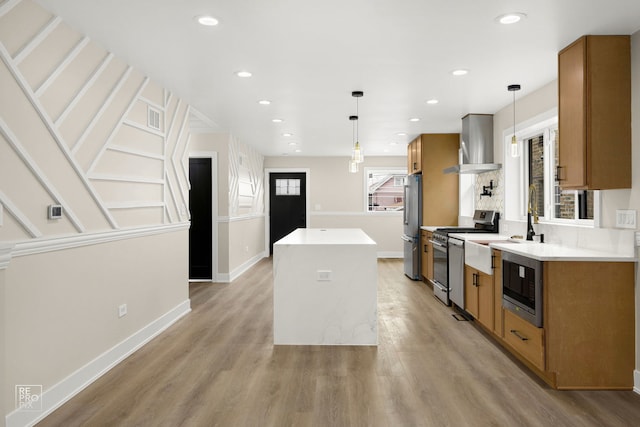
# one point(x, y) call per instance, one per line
point(369, 169)
point(544, 127)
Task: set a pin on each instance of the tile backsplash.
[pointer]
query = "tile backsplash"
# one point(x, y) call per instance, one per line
point(496, 201)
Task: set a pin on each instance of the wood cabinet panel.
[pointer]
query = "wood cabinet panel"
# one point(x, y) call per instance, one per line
point(426, 255)
point(589, 323)
point(498, 315)
point(478, 296)
point(524, 338)
point(414, 156)
point(439, 191)
point(594, 104)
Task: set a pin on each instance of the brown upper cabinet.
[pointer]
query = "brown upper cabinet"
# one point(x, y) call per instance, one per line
point(414, 156)
point(594, 109)
point(439, 190)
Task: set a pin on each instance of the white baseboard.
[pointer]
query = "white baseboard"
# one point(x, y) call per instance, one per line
point(61, 392)
point(636, 381)
point(230, 277)
point(390, 254)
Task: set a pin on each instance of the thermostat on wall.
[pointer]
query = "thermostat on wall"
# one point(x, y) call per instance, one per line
point(55, 211)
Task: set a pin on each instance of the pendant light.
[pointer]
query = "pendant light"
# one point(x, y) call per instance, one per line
point(357, 155)
point(353, 165)
point(514, 142)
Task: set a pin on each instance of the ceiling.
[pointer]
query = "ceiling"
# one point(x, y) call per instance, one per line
point(307, 57)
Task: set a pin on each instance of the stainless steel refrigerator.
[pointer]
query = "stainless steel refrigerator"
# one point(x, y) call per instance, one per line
point(412, 223)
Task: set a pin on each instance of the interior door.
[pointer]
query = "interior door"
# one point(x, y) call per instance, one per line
point(287, 204)
point(200, 233)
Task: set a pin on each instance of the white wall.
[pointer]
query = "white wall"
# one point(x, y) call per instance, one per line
point(337, 197)
point(240, 202)
point(74, 132)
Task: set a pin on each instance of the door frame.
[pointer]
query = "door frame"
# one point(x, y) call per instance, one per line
point(267, 201)
point(213, 155)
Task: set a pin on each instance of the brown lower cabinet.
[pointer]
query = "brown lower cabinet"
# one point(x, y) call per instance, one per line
point(426, 253)
point(478, 296)
point(588, 336)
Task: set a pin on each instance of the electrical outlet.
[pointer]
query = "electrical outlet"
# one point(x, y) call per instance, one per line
point(324, 275)
point(122, 310)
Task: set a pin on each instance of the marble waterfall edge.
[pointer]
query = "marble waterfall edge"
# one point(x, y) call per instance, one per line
point(325, 288)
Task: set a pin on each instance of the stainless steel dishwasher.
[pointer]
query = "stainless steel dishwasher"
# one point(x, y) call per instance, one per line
point(456, 271)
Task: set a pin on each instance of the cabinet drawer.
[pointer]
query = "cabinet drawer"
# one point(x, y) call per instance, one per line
point(524, 338)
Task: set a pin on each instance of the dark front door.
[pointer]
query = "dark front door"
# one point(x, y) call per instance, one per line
point(200, 247)
point(287, 203)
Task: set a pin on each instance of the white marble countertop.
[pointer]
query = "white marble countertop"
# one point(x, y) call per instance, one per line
point(553, 252)
point(326, 236)
point(483, 237)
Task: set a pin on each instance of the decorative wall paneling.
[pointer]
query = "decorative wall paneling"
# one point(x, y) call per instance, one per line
point(94, 143)
point(246, 174)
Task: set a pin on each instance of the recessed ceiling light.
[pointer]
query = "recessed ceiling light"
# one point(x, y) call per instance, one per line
point(460, 72)
point(511, 18)
point(264, 102)
point(401, 134)
point(207, 20)
point(287, 134)
point(277, 120)
point(414, 119)
point(393, 143)
point(292, 144)
point(243, 74)
point(432, 101)
point(298, 150)
point(385, 150)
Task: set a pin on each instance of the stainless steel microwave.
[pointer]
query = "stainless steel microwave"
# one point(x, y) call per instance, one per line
point(522, 287)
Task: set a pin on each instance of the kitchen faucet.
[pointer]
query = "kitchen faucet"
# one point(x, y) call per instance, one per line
point(532, 210)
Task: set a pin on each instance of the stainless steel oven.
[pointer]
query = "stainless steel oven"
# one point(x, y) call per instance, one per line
point(448, 256)
point(440, 275)
point(522, 287)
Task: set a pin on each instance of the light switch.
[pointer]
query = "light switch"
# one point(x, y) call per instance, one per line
point(626, 218)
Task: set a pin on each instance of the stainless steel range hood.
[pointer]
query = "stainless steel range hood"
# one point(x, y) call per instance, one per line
point(476, 145)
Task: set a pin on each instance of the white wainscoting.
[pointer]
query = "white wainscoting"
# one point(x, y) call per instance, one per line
point(57, 395)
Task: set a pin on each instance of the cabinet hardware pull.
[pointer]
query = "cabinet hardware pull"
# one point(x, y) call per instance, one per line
point(475, 280)
point(558, 177)
point(517, 334)
point(425, 248)
point(493, 264)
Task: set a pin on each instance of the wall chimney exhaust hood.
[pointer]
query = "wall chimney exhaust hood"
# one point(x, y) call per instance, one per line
point(476, 145)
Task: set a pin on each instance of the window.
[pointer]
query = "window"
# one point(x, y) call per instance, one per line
point(287, 187)
point(385, 189)
point(552, 203)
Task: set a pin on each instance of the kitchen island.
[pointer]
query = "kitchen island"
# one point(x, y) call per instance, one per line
point(325, 288)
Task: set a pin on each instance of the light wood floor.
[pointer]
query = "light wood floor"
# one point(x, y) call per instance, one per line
point(217, 366)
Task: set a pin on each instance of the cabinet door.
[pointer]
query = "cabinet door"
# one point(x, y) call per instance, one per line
point(594, 113)
point(410, 158)
point(429, 257)
point(485, 299)
point(424, 254)
point(498, 315)
point(417, 159)
point(572, 115)
point(470, 291)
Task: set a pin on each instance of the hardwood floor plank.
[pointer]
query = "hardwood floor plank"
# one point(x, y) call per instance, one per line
point(218, 367)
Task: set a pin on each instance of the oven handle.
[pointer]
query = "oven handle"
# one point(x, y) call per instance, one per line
point(440, 287)
point(435, 243)
point(407, 239)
